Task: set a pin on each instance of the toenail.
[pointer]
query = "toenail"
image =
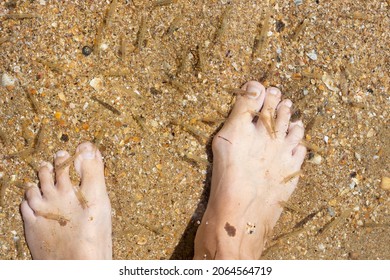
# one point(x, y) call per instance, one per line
point(254, 89)
point(46, 164)
point(288, 103)
point(273, 91)
point(60, 154)
point(298, 123)
point(88, 152)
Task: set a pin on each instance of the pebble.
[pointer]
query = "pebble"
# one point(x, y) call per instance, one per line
point(326, 139)
point(87, 50)
point(370, 133)
point(64, 137)
point(235, 66)
point(96, 83)
point(331, 211)
point(321, 247)
point(154, 123)
point(358, 156)
point(353, 256)
point(104, 46)
point(61, 96)
point(298, 2)
point(385, 184)
point(8, 81)
point(332, 202)
point(58, 115)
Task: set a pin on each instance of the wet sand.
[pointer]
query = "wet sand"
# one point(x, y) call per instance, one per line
point(158, 84)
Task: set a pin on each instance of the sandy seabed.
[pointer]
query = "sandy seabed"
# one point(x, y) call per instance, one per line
point(158, 84)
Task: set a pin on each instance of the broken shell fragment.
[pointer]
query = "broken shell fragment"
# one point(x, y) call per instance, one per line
point(329, 82)
point(96, 83)
point(312, 55)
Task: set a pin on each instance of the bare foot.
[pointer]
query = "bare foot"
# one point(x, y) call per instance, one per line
point(253, 161)
point(63, 221)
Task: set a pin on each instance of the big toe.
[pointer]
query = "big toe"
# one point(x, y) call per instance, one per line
point(246, 105)
point(89, 165)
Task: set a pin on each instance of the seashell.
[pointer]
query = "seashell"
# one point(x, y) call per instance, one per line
point(312, 55)
point(96, 83)
point(329, 82)
point(317, 159)
point(141, 240)
point(8, 81)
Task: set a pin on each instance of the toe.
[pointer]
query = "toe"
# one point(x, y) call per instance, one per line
point(33, 196)
point(295, 133)
point(246, 105)
point(283, 118)
point(45, 175)
point(27, 213)
point(299, 153)
point(267, 113)
point(89, 165)
point(63, 181)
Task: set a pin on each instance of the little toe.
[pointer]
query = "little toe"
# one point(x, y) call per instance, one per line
point(299, 153)
point(89, 165)
point(283, 118)
point(295, 133)
point(27, 213)
point(246, 105)
point(63, 181)
point(45, 175)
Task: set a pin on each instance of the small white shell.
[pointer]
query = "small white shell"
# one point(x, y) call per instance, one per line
point(312, 55)
point(8, 80)
point(317, 159)
point(96, 83)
